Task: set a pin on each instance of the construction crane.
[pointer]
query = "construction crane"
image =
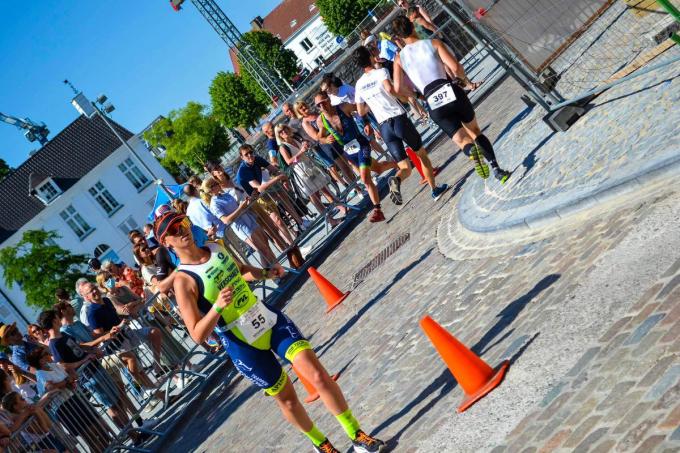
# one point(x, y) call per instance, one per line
point(33, 131)
point(258, 69)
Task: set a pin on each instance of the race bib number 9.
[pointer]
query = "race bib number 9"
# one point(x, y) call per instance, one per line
point(255, 322)
point(352, 147)
point(443, 96)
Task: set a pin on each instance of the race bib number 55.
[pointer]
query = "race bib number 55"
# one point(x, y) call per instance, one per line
point(443, 96)
point(255, 322)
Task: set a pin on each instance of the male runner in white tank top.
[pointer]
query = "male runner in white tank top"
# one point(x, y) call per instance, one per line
point(425, 62)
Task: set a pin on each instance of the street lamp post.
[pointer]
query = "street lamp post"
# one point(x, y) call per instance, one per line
point(109, 108)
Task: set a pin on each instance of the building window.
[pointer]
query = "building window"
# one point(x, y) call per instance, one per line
point(312, 7)
point(318, 61)
point(134, 174)
point(104, 198)
point(79, 226)
point(127, 225)
point(293, 23)
point(307, 45)
point(48, 191)
point(151, 202)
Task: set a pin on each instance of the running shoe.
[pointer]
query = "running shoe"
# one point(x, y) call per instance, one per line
point(364, 443)
point(376, 216)
point(326, 447)
point(438, 191)
point(501, 175)
point(395, 190)
point(481, 167)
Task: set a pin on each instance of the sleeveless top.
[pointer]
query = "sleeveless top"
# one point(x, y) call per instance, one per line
point(325, 147)
point(350, 131)
point(422, 63)
point(211, 277)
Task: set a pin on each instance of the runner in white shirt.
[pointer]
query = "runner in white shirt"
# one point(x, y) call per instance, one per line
point(425, 62)
point(374, 90)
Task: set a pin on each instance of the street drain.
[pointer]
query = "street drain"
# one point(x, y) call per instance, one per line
point(379, 259)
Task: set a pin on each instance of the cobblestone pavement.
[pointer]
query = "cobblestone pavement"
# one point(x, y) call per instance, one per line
point(594, 355)
point(622, 137)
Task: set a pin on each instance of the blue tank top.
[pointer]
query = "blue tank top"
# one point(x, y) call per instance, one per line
point(350, 131)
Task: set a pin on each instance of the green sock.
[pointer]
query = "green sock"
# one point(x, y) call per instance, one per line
point(349, 423)
point(316, 436)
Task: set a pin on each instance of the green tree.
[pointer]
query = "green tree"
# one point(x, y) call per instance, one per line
point(232, 103)
point(5, 169)
point(342, 16)
point(255, 89)
point(270, 50)
point(40, 267)
point(190, 135)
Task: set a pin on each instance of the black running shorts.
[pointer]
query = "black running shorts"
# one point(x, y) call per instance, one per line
point(451, 117)
point(397, 130)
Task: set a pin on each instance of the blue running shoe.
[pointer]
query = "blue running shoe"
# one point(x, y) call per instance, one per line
point(438, 191)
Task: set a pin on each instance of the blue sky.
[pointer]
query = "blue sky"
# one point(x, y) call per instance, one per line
point(147, 58)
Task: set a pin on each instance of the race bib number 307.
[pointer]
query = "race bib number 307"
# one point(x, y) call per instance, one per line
point(443, 96)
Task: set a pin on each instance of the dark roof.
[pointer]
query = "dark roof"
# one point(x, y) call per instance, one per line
point(69, 156)
point(289, 12)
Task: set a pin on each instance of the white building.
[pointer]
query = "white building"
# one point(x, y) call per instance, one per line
point(298, 24)
point(86, 185)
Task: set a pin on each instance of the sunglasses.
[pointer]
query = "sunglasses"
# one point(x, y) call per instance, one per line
point(320, 103)
point(176, 229)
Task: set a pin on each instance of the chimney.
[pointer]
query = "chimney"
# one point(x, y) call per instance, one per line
point(257, 23)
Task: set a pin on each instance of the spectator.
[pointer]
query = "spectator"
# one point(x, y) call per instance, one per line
point(10, 381)
point(72, 327)
point(200, 214)
point(233, 212)
point(270, 144)
point(19, 346)
point(94, 265)
point(179, 206)
point(310, 180)
point(126, 302)
point(195, 181)
point(81, 313)
point(36, 335)
point(269, 219)
point(36, 435)
point(424, 28)
point(406, 6)
point(71, 356)
point(103, 319)
point(249, 176)
point(148, 230)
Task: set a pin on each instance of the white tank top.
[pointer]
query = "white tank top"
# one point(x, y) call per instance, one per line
point(422, 63)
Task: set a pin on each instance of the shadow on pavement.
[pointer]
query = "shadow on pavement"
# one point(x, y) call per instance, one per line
point(530, 159)
point(453, 191)
point(354, 319)
point(623, 96)
point(445, 382)
point(513, 122)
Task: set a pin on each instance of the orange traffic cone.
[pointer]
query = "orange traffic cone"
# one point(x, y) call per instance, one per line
point(330, 293)
point(415, 160)
point(312, 393)
point(472, 373)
